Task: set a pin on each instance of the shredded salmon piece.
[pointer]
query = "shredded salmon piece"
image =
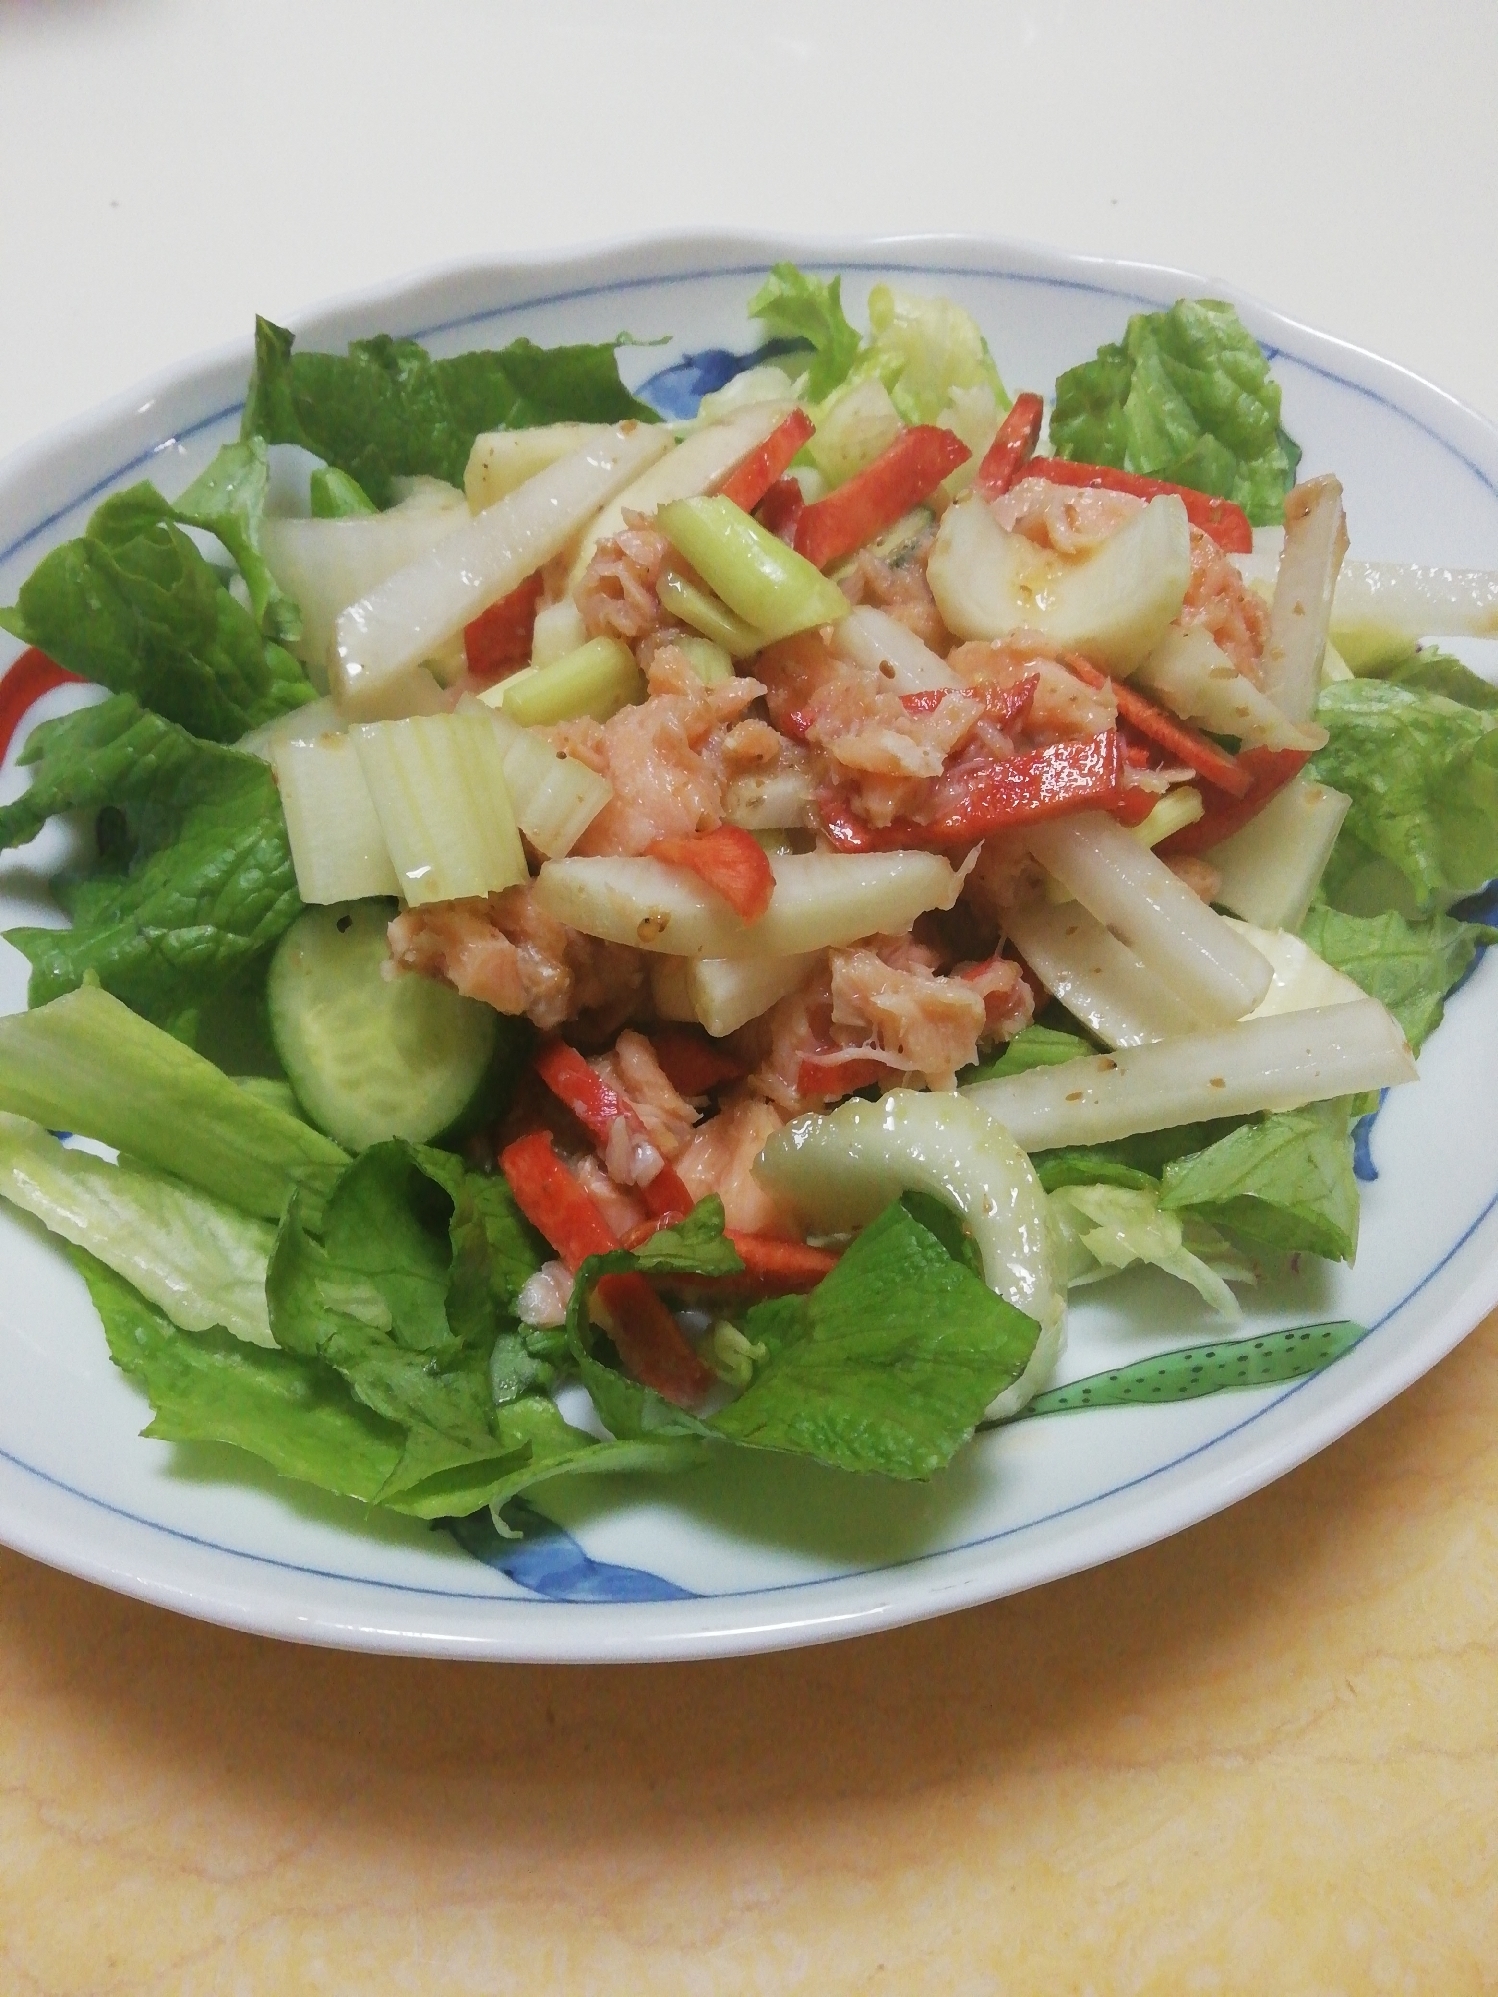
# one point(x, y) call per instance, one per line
point(1222, 604)
point(928, 1025)
point(1061, 706)
point(632, 1069)
point(1008, 1002)
point(901, 590)
point(617, 1201)
point(544, 1297)
point(719, 1158)
point(508, 952)
point(1070, 520)
point(616, 595)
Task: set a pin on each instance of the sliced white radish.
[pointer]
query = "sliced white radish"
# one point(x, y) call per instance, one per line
point(1300, 615)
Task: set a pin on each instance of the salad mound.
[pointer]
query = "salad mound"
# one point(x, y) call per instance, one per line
point(624, 925)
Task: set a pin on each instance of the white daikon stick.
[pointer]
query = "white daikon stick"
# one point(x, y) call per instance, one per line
point(1270, 868)
point(724, 993)
point(1299, 617)
point(1381, 606)
point(1095, 977)
point(501, 461)
point(1196, 679)
point(821, 900)
point(1260, 1064)
point(874, 640)
point(382, 638)
point(778, 801)
point(1214, 973)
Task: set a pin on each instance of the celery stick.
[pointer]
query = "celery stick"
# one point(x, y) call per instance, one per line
point(337, 846)
point(597, 679)
point(706, 615)
point(768, 584)
point(711, 662)
point(87, 1063)
point(1179, 807)
point(438, 785)
point(556, 797)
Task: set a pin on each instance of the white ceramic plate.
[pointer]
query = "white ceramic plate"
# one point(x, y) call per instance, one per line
point(766, 1553)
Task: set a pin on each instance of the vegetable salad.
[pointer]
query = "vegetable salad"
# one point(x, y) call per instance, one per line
point(624, 925)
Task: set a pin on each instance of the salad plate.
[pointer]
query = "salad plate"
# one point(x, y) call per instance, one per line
point(763, 1553)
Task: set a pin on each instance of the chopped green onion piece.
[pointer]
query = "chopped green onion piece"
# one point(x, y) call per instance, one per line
point(705, 614)
point(768, 584)
point(597, 679)
point(336, 496)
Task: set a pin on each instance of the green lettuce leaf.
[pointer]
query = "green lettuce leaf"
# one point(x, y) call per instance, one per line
point(228, 500)
point(1281, 1184)
point(387, 410)
point(1427, 669)
point(193, 880)
point(1127, 1161)
point(1032, 1047)
point(796, 306)
point(1188, 397)
point(1422, 773)
point(1407, 966)
point(133, 605)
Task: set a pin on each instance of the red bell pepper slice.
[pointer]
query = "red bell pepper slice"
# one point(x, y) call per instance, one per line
point(692, 1064)
point(552, 1200)
point(1001, 704)
point(818, 1075)
point(1064, 777)
point(499, 639)
point(1013, 447)
point(1269, 771)
point(1172, 735)
point(752, 477)
point(780, 510)
point(902, 476)
point(598, 1107)
point(1135, 805)
point(732, 863)
point(28, 678)
point(648, 1338)
point(1228, 525)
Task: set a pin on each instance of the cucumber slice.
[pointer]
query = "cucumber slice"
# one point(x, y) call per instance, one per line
point(369, 1056)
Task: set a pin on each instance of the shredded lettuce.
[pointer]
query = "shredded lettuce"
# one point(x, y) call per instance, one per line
point(133, 605)
point(925, 351)
point(192, 879)
point(1187, 396)
point(387, 410)
point(1105, 1228)
point(796, 306)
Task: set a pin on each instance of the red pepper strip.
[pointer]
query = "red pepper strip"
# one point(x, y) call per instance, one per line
point(771, 1268)
point(1013, 447)
point(1001, 704)
point(752, 477)
point(648, 1338)
point(1082, 775)
point(780, 510)
point(819, 1076)
point(1269, 771)
point(1184, 743)
point(1135, 805)
point(902, 476)
point(690, 1061)
point(650, 1341)
point(499, 638)
point(31, 675)
point(1227, 524)
point(732, 863)
point(598, 1107)
point(552, 1200)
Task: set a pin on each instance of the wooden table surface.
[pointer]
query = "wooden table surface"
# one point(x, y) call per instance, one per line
point(1260, 1757)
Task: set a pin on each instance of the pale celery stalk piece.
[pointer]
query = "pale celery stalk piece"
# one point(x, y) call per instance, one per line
point(882, 644)
point(724, 993)
point(841, 1170)
point(1301, 978)
point(1300, 615)
point(1381, 608)
point(710, 661)
point(857, 423)
point(329, 564)
point(713, 620)
point(439, 791)
point(596, 680)
point(1114, 605)
point(556, 796)
point(820, 900)
point(1179, 807)
point(1132, 892)
point(702, 460)
point(1196, 679)
point(1276, 1063)
point(502, 460)
point(777, 801)
point(86, 1062)
point(337, 846)
point(1271, 866)
point(1095, 976)
point(558, 630)
point(769, 585)
point(307, 723)
point(201, 1262)
point(381, 640)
